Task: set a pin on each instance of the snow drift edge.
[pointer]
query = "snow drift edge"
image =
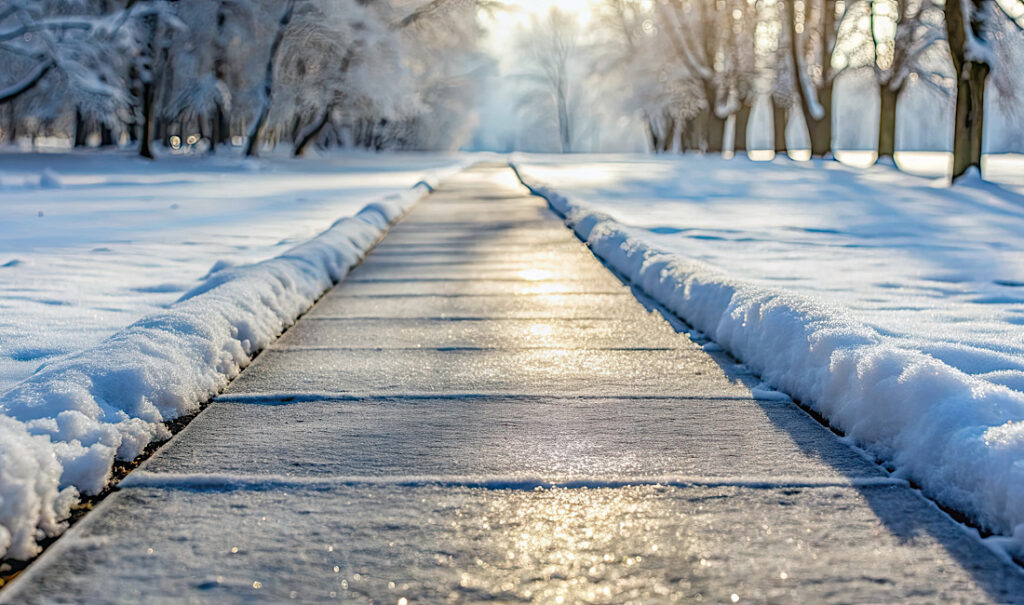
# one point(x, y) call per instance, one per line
point(958, 437)
point(62, 428)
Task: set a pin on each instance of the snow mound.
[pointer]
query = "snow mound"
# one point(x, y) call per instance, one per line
point(62, 428)
point(959, 437)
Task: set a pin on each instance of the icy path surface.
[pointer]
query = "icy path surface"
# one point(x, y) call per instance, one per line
point(91, 242)
point(482, 412)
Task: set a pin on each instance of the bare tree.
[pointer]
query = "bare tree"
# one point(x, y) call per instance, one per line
point(741, 68)
point(252, 147)
point(185, 73)
point(902, 31)
point(697, 34)
point(968, 24)
point(813, 31)
point(779, 61)
point(548, 50)
point(68, 59)
point(643, 48)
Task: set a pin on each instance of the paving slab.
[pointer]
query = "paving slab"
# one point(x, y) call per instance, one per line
point(447, 287)
point(529, 270)
point(557, 261)
point(559, 372)
point(503, 237)
point(405, 333)
point(552, 439)
point(482, 412)
point(482, 246)
point(562, 256)
point(458, 215)
point(533, 306)
point(252, 542)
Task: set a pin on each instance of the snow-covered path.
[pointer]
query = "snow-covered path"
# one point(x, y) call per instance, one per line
point(481, 411)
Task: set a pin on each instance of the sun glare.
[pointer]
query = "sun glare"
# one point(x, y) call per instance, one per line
point(521, 11)
point(534, 274)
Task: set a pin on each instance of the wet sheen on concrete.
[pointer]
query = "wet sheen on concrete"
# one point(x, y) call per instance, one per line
point(401, 440)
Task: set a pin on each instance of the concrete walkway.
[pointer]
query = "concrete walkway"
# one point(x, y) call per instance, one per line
point(398, 442)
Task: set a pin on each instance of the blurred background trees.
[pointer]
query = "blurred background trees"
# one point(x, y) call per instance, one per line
point(207, 73)
point(662, 75)
point(694, 64)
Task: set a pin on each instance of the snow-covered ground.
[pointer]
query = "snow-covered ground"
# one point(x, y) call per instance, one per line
point(132, 291)
point(89, 243)
point(892, 303)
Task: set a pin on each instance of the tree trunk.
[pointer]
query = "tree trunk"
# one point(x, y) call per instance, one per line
point(106, 136)
point(714, 133)
point(821, 130)
point(203, 129)
point(12, 122)
point(148, 119)
point(970, 113)
point(887, 122)
point(742, 117)
point(688, 136)
point(252, 148)
point(220, 129)
point(971, 74)
point(81, 134)
point(694, 136)
point(223, 127)
point(652, 138)
point(779, 120)
point(669, 135)
point(304, 141)
point(146, 137)
point(215, 135)
point(297, 129)
point(564, 134)
point(714, 126)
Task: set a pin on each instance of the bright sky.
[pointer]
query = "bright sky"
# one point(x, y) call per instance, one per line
point(503, 23)
point(520, 11)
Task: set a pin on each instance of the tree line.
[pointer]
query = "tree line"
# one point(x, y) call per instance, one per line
point(694, 64)
point(377, 74)
point(405, 74)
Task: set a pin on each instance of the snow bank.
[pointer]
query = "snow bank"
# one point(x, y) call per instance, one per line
point(959, 437)
point(63, 427)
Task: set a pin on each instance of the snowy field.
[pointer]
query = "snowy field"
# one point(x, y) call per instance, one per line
point(89, 243)
point(892, 303)
point(131, 292)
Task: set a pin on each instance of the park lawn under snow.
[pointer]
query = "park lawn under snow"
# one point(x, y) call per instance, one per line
point(131, 292)
point(91, 242)
point(891, 303)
